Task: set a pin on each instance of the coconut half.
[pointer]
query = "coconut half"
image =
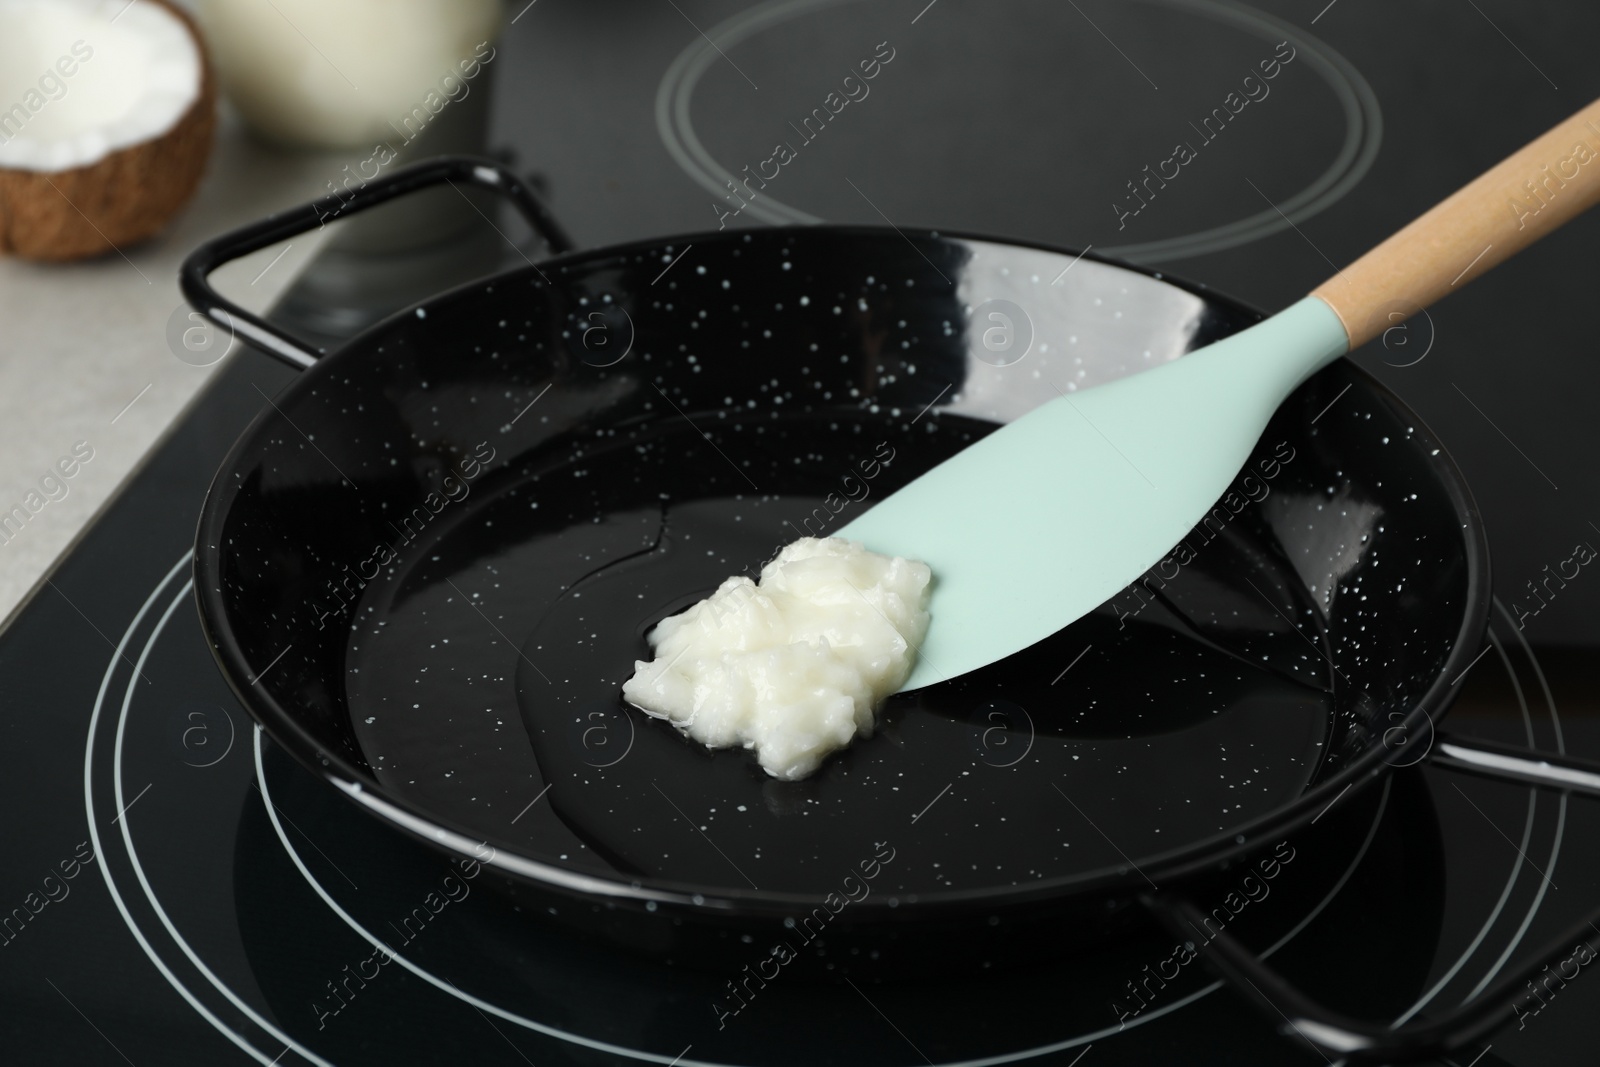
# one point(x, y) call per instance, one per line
point(107, 111)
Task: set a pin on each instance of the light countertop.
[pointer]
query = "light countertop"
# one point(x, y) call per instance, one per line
point(85, 359)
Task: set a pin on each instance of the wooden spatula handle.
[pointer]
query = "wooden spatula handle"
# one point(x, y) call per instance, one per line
point(1522, 198)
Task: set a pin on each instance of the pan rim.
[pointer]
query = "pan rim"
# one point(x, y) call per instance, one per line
point(1209, 853)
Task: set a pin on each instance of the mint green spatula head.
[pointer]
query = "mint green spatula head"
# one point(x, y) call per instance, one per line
point(1048, 517)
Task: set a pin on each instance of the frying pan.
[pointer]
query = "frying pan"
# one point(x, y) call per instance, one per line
point(428, 565)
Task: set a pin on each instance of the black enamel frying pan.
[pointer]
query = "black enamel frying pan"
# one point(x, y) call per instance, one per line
point(428, 565)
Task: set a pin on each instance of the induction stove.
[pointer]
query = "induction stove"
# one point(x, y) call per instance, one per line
point(179, 891)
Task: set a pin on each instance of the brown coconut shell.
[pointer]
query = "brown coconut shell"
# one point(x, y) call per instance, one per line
point(120, 200)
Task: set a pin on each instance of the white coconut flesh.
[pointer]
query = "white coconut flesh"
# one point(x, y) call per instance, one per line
point(135, 67)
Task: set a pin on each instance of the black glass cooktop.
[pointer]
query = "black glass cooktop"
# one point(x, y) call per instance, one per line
point(177, 891)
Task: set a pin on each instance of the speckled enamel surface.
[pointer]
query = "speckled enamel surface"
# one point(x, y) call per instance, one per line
point(431, 564)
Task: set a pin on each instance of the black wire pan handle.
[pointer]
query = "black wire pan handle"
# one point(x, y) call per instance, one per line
point(193, 277)
point(1339, 1036)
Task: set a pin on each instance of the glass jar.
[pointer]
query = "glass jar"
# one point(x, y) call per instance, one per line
point(349, 72)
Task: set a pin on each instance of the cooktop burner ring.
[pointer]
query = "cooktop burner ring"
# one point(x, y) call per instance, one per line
point(152, 609)
point(1356, 154)
point(1548, 871)
point(286, 1042)
point(119, 655)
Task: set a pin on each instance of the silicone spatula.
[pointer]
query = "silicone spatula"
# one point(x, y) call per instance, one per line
point(1046, 518)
